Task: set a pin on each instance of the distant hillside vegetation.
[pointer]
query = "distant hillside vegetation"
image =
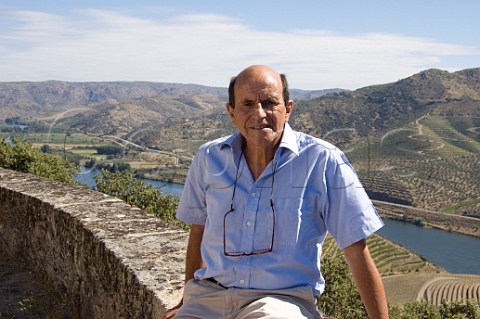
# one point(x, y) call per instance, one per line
point(384, 107)
point(49, 97)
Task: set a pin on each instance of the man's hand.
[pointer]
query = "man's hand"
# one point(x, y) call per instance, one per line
point(172, 311)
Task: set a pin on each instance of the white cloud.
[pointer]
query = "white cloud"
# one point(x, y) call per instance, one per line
point(95, 45)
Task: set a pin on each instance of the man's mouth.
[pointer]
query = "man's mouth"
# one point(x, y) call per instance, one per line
point(261, 127)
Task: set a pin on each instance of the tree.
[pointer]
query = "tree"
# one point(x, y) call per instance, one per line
point(21, 156)
point(91, 163)
point(45, 148)
point(109, 149)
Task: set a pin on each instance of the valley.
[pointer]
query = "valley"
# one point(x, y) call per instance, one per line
point(414, 142)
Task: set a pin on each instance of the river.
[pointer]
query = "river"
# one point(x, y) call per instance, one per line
point(456, 253)
point(86, 177)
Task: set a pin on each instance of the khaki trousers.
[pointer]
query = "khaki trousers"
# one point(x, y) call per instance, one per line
point(206, 299)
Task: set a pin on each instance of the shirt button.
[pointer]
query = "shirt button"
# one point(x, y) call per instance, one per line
point(242, 282)
point(249, 223)
point(253, 194)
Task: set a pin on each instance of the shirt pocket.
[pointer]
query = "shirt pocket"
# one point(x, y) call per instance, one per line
point(288, 216)
point(221, 174)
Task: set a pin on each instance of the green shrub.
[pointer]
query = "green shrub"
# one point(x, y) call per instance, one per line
point(21, 156)
point(340, 298)
point(139, 194)
point(447, 310)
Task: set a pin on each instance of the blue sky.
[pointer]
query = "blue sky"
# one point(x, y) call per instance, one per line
point(318, 44)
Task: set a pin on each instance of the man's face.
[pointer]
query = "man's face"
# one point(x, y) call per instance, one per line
point(260, 112)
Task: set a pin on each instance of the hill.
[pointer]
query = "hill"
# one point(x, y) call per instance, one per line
point(32, 99)
point(108, 107)
point(338, 115)
point(380, 108)
point(408, 140)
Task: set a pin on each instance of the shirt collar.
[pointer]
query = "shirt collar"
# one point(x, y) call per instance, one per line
point(233, 141)
point(289, 140)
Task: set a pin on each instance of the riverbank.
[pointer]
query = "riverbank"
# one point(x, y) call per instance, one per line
point(447, 222)
point(454, 252)
point(177, 179)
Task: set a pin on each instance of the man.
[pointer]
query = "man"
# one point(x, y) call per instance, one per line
point(260, 203)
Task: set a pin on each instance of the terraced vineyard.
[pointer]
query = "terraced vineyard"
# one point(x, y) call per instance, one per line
point(447, 140)
point(433, 164)
point(390, 258)
point(381, 186)
point(431, 287)
point(458, 288)
point(432, 183)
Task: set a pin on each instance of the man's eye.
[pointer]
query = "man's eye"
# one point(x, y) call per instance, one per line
point(269, 104)
point(265, 104)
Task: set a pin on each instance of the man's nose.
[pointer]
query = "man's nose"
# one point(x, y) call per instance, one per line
point(260, 110)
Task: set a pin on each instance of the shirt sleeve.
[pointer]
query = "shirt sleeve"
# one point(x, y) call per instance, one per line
point(350, 215)
point(192, 208)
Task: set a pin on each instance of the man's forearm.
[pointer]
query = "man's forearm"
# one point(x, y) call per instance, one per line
point(367, 279)
point(194, 259)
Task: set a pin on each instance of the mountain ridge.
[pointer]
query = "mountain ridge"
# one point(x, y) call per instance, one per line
point(130, 106)
point(386, 106)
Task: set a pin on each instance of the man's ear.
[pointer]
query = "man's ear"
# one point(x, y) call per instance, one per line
point(230, 110)
point(288, 109)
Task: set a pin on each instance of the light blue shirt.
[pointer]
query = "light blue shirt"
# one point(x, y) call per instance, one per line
point(315, 190)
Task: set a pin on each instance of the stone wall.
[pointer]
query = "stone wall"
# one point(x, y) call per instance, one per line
point(105, 258)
